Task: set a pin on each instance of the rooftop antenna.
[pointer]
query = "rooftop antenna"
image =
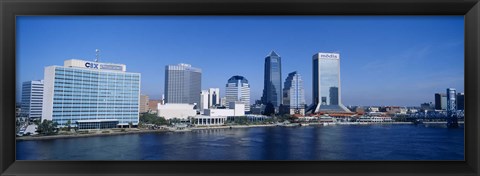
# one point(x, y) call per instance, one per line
point(97, 51)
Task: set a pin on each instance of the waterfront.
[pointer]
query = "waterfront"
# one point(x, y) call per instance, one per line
point(336, 142)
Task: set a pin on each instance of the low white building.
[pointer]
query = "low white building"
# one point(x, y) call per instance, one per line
point(171, 110)
point(219, 112)
point(238, 107)
point(208, 120)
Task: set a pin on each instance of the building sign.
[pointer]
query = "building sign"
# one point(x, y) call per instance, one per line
point(328, 55)
point(103, 66)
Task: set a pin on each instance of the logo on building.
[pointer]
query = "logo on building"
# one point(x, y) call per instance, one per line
point(329, 56)
point(103, 66)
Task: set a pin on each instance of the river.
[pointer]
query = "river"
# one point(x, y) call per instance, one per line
point(336, 142)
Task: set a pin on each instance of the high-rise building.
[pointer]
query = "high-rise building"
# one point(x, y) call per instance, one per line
point(182, 84)
point(223, 101)
point(204, 100)
point(460, 101)
point(143, 103)
point(440, 101)
point(326, 83)
point(451, 100)
point(238, 89)
point(32, 99)
point(213, 97)
point(91, 94)
point(272, 86)
point(293, 94)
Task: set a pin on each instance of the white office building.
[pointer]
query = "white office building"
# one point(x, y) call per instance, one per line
point(238, 89)
point(213, 97)
point(91, 94)
point(32, 99)
point(204, 100)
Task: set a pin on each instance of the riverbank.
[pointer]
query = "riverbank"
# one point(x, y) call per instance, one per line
point(111, 132)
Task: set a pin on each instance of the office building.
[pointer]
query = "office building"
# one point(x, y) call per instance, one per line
point(440, 101)
point(91, 94)
point(326, 89)
point(182, 84)
point(460, 101)
point(213, 97)
point(204, 100)
point(144, 103)
point(293, 94)
point(32, 99)
point(153, 106)
point(451, 100)
point(272, 85)
point(238, 89)
point(223, 101)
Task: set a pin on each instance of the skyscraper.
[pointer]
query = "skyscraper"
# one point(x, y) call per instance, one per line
point(182, 84)
point(460, 101)
point(272, 86)
point(91, 94)
point(451, 100)
point(440, 101)
point(238, 89)
point(326, 83)
point(32, 99)
point(293, 94)
point(213, 97)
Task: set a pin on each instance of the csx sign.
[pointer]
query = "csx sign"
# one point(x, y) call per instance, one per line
point(91, 65)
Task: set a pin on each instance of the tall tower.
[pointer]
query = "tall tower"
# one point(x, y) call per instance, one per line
point(238, 89)
point(213, 97)
point(182, 84)
point(326, 83)
point(32, 99)
point(272, 86)
point(293, 94)
point(452, 120)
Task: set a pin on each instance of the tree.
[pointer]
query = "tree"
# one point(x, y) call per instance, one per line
point(69, 125)
point(47, 127)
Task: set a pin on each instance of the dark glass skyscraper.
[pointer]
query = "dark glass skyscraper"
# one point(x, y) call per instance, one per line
point(272, 86)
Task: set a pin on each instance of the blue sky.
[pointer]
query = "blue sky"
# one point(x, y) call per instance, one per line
point(385, 60)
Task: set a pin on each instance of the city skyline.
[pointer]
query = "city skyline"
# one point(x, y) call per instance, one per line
point(409, 66)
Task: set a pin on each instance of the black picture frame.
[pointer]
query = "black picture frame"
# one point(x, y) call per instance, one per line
point(11, 8)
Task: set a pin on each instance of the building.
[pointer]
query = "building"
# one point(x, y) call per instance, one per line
point(327, 95)
point(91, 92)
point(213, 97)
point(144, 103)
point(182, 84)
point(293, 94)
point(209, 120)
point(460, 101)
point(153, 106)
point(32, 99)
point(219, 112)
point(237, 89)
point(223, 101)
point(440, 101)
point(238, 107)
point(272, 85)
point(451, 100)
point(204, 100)
point(175, 110)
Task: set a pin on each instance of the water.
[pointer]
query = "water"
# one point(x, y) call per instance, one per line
point(339, 142)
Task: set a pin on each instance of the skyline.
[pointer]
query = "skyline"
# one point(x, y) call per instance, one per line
point(147, 44)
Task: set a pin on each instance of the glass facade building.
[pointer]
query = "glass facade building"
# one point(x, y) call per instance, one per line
point(183, 84)
point(238, 89)
point(326, 83)
point(32, 99)
point(83, 90)
point(272, 86)
point(293, 94)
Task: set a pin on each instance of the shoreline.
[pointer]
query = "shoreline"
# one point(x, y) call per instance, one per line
point(138, 131)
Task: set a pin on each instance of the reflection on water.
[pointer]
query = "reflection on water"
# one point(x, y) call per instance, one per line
point(340, 142)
